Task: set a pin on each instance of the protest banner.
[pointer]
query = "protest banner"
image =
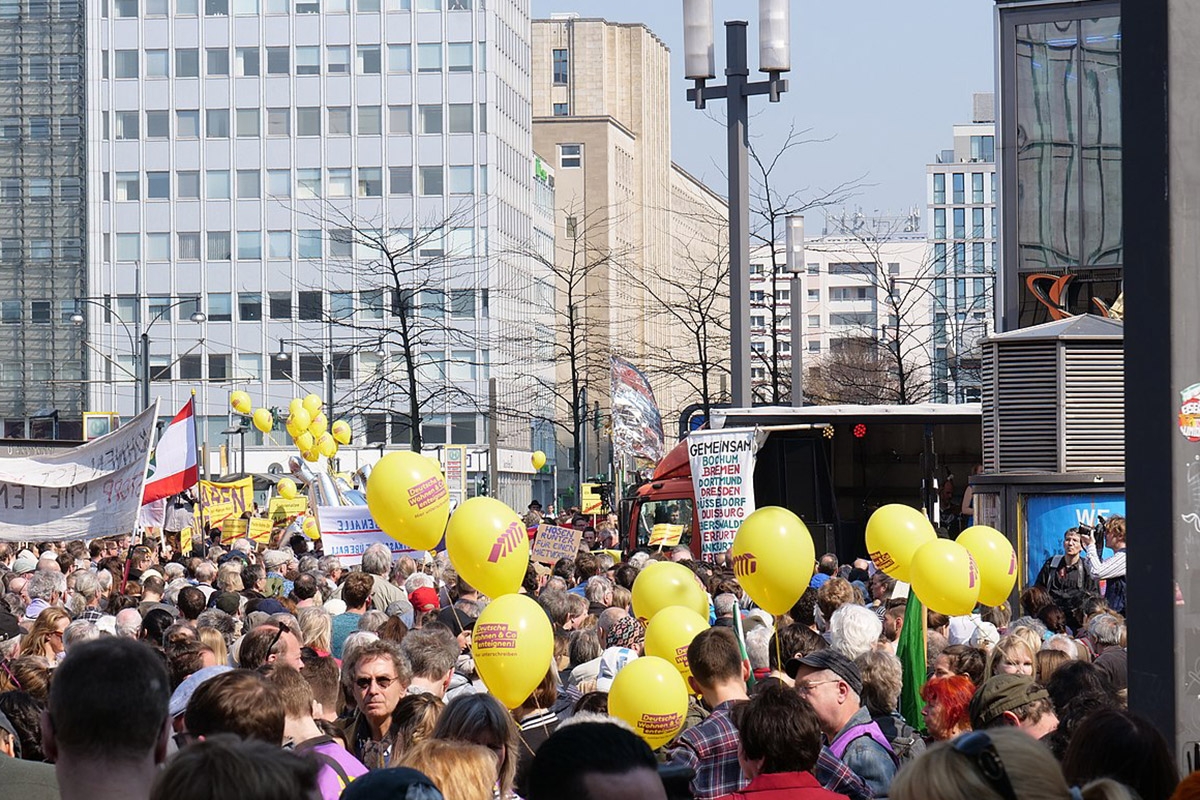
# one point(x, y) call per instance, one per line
point(554, 542)
point(637, 428)
point(185, 540)
point(219, 501)
point(84, 492)
point(256, 529)
point(347, 531)
point(723, 479)
point(282, 508)
point(665, 535)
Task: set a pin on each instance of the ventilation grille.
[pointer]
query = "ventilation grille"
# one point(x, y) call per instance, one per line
point(987, 397)
point(1025, 397)
point(1094, 407)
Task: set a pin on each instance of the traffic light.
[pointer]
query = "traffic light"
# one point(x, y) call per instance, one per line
point(860, 431)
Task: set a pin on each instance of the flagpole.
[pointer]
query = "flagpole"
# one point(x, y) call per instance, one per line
point(201, 474)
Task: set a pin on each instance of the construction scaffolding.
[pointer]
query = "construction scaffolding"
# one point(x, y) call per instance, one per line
point(43, 267)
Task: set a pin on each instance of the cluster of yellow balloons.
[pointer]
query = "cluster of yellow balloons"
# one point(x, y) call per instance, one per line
point(306, 424)
point(950, 577)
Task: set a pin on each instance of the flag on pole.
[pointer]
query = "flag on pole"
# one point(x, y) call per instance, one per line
point(910, 649)
point(174, 465)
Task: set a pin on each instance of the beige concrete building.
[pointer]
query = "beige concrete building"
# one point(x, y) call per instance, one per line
point(634, 228)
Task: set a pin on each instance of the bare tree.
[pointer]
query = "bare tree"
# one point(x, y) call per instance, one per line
point(398, 311)
point(770, 206)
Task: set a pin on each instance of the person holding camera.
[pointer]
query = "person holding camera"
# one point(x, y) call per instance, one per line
point(1112, 569)
point(1068, 577)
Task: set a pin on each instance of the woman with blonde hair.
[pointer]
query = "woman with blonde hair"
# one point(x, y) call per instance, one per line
point(996, 764)
point(481, 719)
point(1047, 661)
point(1011, 656)
point(45, 638)
point(461, 770)
point(413, 722)
point(215, 641)
point(317, 626)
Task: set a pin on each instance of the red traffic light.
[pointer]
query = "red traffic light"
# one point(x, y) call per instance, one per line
point(860, 430)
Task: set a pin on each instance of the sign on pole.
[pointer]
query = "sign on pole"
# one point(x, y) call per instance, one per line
point(554, 542)
point(723, 479)
point(347, 531)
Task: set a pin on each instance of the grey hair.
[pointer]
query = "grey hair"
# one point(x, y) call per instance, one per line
point(42, 585)
point(372, 620)
point(206, 571)
point(882, 677)
point(639, 560)
point(78, 632)
point(328, 564)
point(597, 587)
point(87, 585)
point(418, 580)
point(377, 559)
point(605, 562)
point(758, 647)
point(1106, 630)
point(128, 624)
point(723, 603)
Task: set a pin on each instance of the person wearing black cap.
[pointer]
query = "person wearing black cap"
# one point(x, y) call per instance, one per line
point(533, 517)
point(832, 684)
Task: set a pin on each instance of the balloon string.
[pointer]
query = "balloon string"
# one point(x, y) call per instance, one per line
point(779, 649)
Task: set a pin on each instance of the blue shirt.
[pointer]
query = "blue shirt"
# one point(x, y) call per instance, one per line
point(818, 580)
point(343, 625)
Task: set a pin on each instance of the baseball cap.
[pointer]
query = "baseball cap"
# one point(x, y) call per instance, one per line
point(831, 660)
point(1001, 693)
point(456, 620)
point(276, 558)
point(612, 661)
point(424, 599)
point(184, 691)
point(9, 629)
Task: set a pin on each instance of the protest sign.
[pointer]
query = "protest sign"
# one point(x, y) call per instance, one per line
point(282, 508)
point(84, 492)
point(591, 502)
point(255, 529)
point(347, 531)
point(553, 543)
point(723, 479)
point(219, 501)
point(665, 535)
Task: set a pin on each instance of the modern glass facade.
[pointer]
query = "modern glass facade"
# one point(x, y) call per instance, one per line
point(1060, 139)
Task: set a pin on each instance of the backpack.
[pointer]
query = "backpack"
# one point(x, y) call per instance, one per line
point(906, 743)
point(871, 729)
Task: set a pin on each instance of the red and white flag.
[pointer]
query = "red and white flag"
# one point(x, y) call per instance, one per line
point(174, 465)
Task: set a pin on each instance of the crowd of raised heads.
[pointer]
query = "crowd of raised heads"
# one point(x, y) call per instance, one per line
point(131, 671)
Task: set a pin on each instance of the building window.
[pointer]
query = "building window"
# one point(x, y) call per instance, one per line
point(125, 65)
point(399, 59)
point(280, 305)
point(460, 118)
point(570, 155)
point(459, 56)
point(217, 61)
point(370, 120)
point(430, 119)
point(216, 184)
point(399, 119)
point(279, 121)
point(249, 306)
point(308, 60)
point(959, 188)
point(219, 246)
point(127, 186)
point(247, 122)
point(158, 124)
point(247, 61)
point(308, 121)
point(400, 180)
point(939, 223)
point(249, 245)
point(127, 124)
point(983, 148)
point(461, 180)
point(370, 182)
point(432, 181)
point(562, 109)
point(976, 187)
point(216, 123)
point(308, 246)
point(310, 306)
point(340, 182)
point(278, 60)
point(187, 124)
point(369, 60)
point(187, 63)
point(960, 223)
point(939, 188)
point(158, 185)
point(561, 67)
point(188, 245)
point(339, 121)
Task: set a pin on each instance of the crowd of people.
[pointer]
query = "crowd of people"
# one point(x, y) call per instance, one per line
point(135, 672)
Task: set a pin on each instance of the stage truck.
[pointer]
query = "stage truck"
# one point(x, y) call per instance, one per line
point(832, 465)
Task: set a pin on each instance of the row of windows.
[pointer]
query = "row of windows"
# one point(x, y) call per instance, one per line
point(247, 184)
point(38, 9)
point(397, 429)
point(833, 268)
point(39, 129)
point(249, 123)
point(39, 190)
point(957, 256)
point(283, 244)
point(305, 306)
point(38, 68)
point(959, 217)
point(301, 60)
point(40, 312)
point(959, 188)
point(131, 9)
point(41, 249)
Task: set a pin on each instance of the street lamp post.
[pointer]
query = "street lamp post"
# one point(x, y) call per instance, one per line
point(139, 340)
point(794, 241)
point(774, 54)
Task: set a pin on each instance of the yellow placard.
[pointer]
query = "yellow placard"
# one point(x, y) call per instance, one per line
point(260, 530)
point(219, 501)
point(185, 540)
point(280, 508)
point(590, 501)
point(234, 529)
point(665, 535)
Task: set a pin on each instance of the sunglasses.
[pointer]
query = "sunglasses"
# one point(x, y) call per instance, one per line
point(365, 683)
point(275, 640)
point(978, 748)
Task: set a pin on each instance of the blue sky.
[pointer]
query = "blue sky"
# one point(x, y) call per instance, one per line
point(884, 81)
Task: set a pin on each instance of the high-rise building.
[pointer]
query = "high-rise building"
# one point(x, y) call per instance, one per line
point(301, 178)
point(42, 215)
point(961, 189)
point(641, 227)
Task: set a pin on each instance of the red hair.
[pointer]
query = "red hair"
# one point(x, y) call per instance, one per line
point(952, 696)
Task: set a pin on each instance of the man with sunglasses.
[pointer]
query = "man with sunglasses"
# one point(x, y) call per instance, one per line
point(378, 675)
point(832, 684)
point(270, 644)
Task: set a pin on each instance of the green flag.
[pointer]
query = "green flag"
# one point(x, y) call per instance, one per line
point(910, 649)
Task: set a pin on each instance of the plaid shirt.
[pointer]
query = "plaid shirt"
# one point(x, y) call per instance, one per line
point(91, 614)
point(835, 776)
point(711, 749)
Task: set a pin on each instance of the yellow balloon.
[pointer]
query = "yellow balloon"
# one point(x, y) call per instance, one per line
point(292, 428)
point(263, 420)
point(310, 528)
point(319, 424)
point(326, 446)
point(287, 488)
point(945, 578)
point(312, 404)
point(240, 402)
point(538, 459)
point(996, 559)
point(651, 695)
point(408, 498)
point(305, 441)
point(669, 634)
point(772, 557)
point(894, 532)
point(513, 644)
point(341, 431)
point(310, 455)
point(665, 583)
point(301, 418)
point(295, 405)
point(488, 545)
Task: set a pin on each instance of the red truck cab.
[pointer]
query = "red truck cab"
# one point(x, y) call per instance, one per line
point(667, 498)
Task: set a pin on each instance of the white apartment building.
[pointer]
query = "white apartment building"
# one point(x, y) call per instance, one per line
point(961, 189)
point(235, 144)
point(846, 281)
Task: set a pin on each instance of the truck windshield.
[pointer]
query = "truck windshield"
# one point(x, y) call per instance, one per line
point(674, 518)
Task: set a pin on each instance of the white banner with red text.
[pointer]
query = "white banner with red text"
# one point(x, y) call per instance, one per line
point(723, 479)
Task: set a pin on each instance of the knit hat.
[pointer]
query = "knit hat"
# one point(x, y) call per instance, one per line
point(1001, 693)
point(625, 632)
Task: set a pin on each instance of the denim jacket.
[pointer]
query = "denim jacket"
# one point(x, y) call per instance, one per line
point(867, 758)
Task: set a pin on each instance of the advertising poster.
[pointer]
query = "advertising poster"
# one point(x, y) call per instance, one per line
point(1049, 516)
point(723, 480)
